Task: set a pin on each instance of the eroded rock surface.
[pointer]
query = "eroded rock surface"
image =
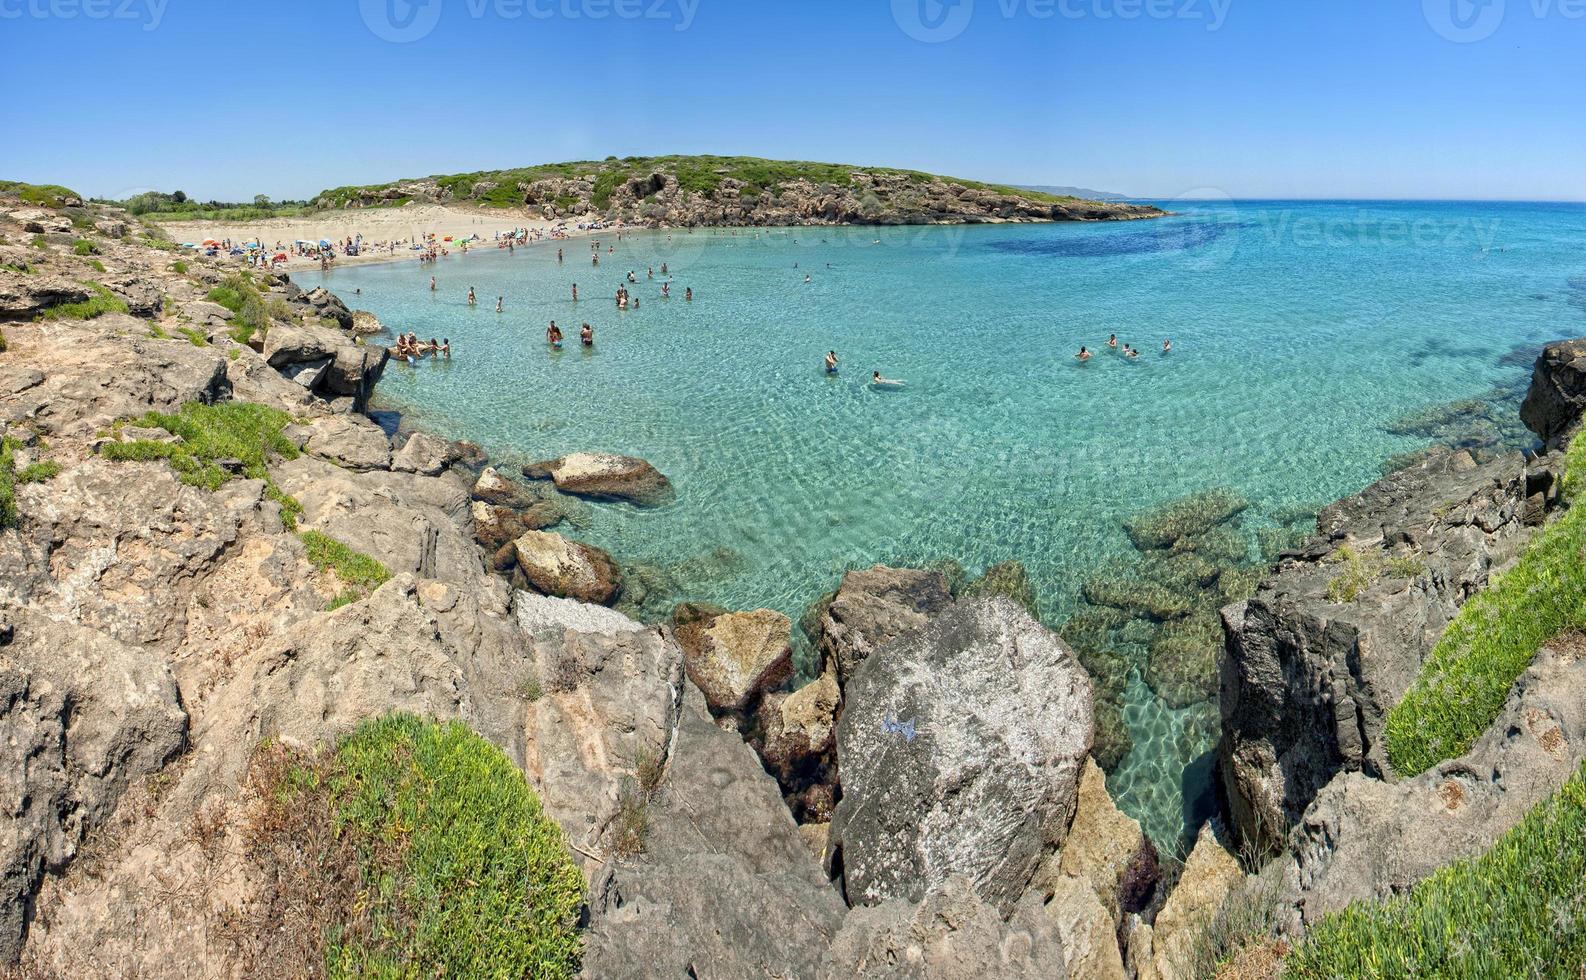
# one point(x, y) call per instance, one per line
point(875, 605)
point(960, 747)
point(605, 476)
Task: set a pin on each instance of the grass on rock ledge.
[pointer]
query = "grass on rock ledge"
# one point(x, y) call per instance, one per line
point(1464, 683)
point(101, 301)
point(357, 572)
point(1517, 911)
point(251, 435)
point(416, 849)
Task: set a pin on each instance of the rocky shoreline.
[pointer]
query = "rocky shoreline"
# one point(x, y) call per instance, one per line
point(172, 597)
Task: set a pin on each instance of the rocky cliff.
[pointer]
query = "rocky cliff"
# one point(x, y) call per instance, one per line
point(734, 191)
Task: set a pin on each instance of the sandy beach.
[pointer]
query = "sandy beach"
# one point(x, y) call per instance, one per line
point(380, 228)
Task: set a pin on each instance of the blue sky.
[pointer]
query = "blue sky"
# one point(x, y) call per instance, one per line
point(1160, 98)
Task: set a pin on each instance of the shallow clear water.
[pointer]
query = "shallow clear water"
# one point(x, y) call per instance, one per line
point(1300, 329)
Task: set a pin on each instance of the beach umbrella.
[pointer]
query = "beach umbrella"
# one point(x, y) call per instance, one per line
point(210, 241)
point(188, 245)
point(324, 243)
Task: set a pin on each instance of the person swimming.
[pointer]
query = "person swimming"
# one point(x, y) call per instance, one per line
point(471, 299)
point(586, 336)
point(1167, 346)
point(688, 294)
point(553, 335)
point(498, 304)
point(1112, 341)
point(575, 292)
point(1083, 355)
point(877, 379)
point(446, 347)
point(807, 279)
point(432, 284)
point(1130, 352)
point(831, 362)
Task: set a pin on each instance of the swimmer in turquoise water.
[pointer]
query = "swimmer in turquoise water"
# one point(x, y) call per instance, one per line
point(831, 362)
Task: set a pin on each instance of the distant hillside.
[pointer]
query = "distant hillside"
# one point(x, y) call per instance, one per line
point(1083, 192)
point(711, 190)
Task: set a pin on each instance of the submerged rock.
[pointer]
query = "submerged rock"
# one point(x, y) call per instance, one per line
point(982, 712)
point(1183, 665)
point(1009, 579)
point(604, 476)
point(1166, 525)
point(734, 657)
point(555, 566)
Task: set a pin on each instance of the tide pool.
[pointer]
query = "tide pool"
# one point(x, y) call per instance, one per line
point(1302, 332)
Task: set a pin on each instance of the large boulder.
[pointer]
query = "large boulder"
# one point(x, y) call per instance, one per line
point(23, 296)
point(796, 736)
point(875, 605)
point(735, 657)
point(604, 476)
point(960, 747)
point(1330, 642)
point(1557, 396)
point(553, 565)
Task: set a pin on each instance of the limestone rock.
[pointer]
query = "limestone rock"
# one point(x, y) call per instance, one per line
point(1209, 874)
point(424, 454)
point(83, 715)
point(953, 934)
point(553, 565)
point(350, 441)
point(1306, 682)
point(1090, 934)
point(1102, 843)
point(22, 297)
point(735, 657)
point(983, 712)
point(1363, 838)
point(874, 606)
point(604, 476)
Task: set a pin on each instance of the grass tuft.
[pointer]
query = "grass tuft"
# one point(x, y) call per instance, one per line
point(1490, 643)
point(101, 302)
point(416, 849)
point(358, 572)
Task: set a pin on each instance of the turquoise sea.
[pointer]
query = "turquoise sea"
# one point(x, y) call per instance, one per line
point(1302, 332)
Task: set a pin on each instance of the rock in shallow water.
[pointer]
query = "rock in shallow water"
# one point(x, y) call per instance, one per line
point(604, 476)
point(555, 566)
point(960, 747)
point(1191, 516)
point(875, 605)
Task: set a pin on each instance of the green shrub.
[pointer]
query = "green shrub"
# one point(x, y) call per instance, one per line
point(39, 241)
point(1492, 640)
point(83, 246)
point(194, 335)
point(40, 195)
point(4, 345)
point(96, 265)
point(179, 267)
point(1518, 910)
point(463, 873)
point(101, 301)
point(39, 472)
point(359, 573)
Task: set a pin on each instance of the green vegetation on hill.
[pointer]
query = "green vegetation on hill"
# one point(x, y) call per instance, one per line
point(702, 174)
point(1464, 683)
point(177, 206)
point(358, 573)
point(101, 301)
point(40, 195)
point(1517, 911)
point(416, 850)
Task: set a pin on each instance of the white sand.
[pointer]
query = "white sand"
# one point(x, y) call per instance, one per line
point(406, 224)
